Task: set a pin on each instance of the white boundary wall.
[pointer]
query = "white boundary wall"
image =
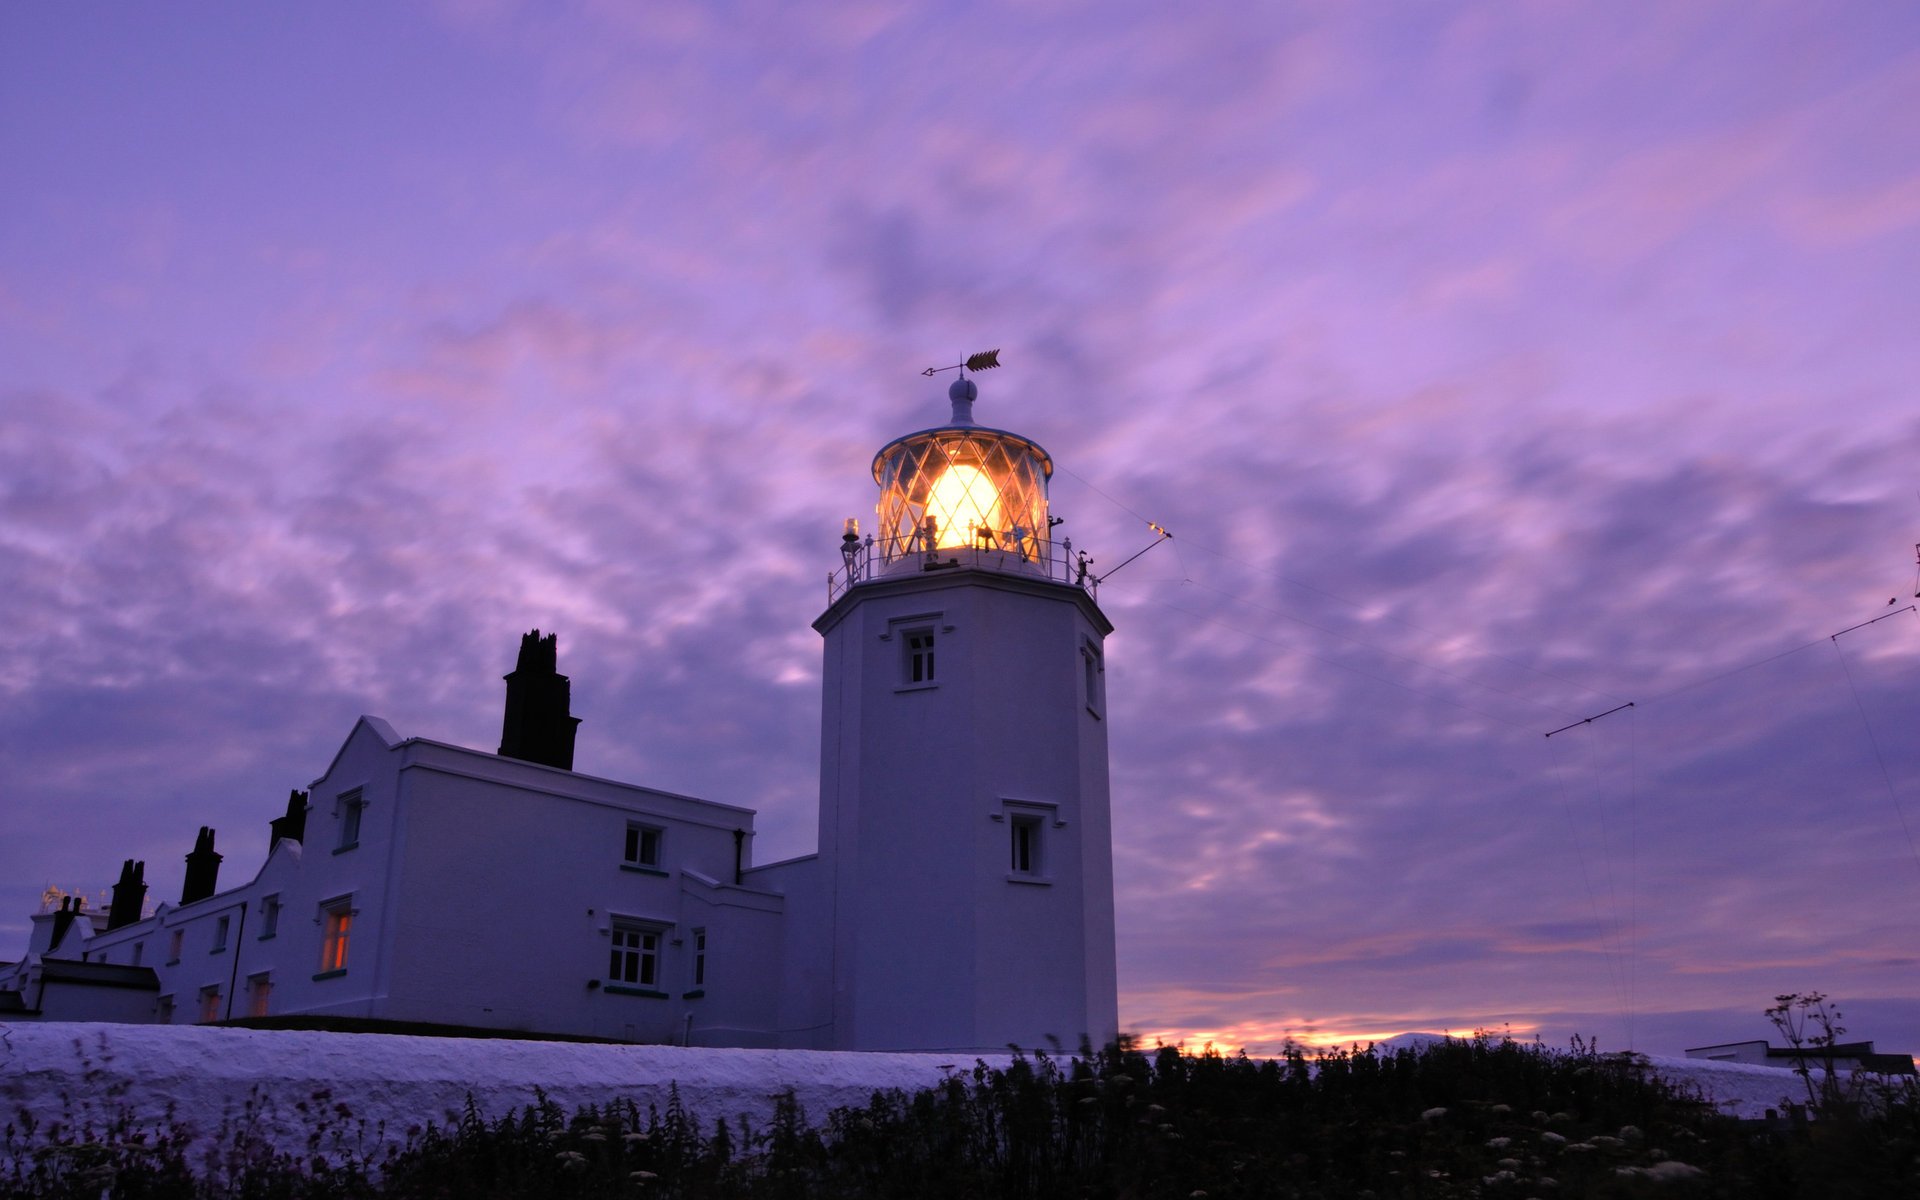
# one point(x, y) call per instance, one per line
point(389, 1083)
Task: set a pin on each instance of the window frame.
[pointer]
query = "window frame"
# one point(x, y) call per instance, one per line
point(1028, 846)
point(270, 907)
point(920, 667)
point(644, 959)
point(641, 836)
point(917, 665)
point(336, 921)
point(222, 929)
point(1093, 673)
point(259, 993)
point(209, 1004)
point(350, 809)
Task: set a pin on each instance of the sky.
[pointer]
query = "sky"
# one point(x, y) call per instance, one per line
point(1493, 366)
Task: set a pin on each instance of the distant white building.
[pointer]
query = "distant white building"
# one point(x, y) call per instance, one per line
point(1846, 1057)
point(961, 898)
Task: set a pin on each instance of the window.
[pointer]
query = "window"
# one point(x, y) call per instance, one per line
point(699, 958)
point(1025, 830)
point(919, 649)
point(220, 929)
point(1094, 672)
point(164, 1014)
point(139, 951)
point(1028, 823)
point(174, 941)
point(352, 806)
point(636, 956)
point(643, 845)
point(336, 924)
point(269, 916)
point(209, 1004)
point(259, 988)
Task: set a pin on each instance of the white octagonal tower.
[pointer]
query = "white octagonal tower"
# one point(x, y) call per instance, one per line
point(964, 818)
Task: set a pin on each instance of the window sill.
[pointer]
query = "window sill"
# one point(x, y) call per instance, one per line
point(622, 989)
point(218, 950)
point(265, 937)
point(347, 847)
point(695, 994)
point(172, 962)
point(642, 869)
point(918, 687)
point(1030, 880)
point(1094, 713)
point(330, 974)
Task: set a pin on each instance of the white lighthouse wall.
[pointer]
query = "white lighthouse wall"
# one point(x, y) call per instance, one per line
point(948, 948)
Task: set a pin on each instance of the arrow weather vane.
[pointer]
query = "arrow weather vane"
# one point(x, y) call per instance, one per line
point(986, 360)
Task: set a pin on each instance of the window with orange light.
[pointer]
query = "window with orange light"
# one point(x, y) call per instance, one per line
point(336, 928)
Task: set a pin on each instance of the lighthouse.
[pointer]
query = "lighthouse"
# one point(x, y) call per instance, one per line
point(965, 846)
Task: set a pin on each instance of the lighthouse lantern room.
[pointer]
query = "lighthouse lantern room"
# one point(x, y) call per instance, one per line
point(962, 487)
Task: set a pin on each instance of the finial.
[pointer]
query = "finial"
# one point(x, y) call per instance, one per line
point(963, 392)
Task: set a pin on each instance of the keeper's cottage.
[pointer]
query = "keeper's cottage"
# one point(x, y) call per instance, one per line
point(961, 898)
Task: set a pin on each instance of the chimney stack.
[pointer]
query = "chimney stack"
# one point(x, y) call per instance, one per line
point(203, 869)
point(129, 895)
point(538, 726)
point(64, 919)
point(293, 826)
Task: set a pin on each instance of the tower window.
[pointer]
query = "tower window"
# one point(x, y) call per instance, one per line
point(1093, 672)
point(1026, 836)
point(643, 845)
point(919, 646)
point(175, 940)
point(699, 958)
point(1029, 825)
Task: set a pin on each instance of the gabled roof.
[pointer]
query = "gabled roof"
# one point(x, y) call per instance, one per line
point(380, 729)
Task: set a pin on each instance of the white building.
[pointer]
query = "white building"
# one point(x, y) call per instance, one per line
point(961, 898)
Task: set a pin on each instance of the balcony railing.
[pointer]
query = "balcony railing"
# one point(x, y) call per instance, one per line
point(903, 558)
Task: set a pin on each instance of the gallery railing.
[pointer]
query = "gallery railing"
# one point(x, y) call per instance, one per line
point(892, 558)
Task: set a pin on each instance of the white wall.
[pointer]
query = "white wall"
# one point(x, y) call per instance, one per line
point(936, 948)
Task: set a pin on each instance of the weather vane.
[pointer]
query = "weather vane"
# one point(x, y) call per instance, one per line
point(986, 360)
